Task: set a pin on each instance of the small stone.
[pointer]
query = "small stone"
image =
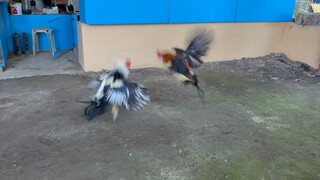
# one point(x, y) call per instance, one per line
point(174, 145)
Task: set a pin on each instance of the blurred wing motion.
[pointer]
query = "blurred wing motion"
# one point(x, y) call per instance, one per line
point(94, 84)
point(130, 95)
point(198, 47)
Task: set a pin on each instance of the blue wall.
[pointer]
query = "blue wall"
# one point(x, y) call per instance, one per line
point(265, 10)
point(184, 11)
point(4, 32)
point(62, 24)
point(124, 11)
point(196, 11)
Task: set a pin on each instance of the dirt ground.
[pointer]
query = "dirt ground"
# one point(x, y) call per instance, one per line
point(259, 120)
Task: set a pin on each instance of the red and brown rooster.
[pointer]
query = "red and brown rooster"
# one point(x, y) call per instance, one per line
point(182, 61)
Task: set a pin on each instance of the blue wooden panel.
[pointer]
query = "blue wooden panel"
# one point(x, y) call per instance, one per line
point(198, 11)
point(8, 29)
point(62, 24)
point(265, 10)
point(124, 11)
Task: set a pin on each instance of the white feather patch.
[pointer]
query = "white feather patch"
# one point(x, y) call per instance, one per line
point(116, 84)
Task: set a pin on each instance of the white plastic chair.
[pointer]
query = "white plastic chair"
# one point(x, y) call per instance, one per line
point(51, 39)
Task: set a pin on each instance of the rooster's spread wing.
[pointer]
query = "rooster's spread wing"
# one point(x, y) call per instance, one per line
point(198, 47)
point(128, 94)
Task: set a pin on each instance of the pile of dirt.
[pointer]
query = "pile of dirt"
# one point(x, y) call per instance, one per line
point(272, 67)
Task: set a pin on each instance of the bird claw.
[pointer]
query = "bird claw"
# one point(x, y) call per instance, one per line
point(200, 93)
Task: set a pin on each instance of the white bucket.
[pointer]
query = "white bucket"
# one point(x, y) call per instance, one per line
point(16, 9)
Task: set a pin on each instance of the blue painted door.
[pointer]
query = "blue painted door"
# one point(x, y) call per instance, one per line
point(124, 11)
point(197, 11)
point(265, 10)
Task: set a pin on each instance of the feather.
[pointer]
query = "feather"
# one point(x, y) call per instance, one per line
point(198, 47)
point(94, 109)
point(181, 77)
point(94, 84)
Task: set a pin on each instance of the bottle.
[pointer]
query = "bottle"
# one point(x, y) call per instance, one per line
point(26, 7)
point(34, 7)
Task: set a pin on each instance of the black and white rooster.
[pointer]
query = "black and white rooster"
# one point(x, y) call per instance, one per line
point(116, 90)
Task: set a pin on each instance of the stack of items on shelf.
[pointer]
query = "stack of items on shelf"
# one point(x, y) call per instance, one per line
point(19, 7)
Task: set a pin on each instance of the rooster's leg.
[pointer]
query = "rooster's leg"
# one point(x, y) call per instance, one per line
point(114, 111)
point(181, 77)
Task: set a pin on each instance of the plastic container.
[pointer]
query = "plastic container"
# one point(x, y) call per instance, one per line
point(16, 9)
point(39, 4)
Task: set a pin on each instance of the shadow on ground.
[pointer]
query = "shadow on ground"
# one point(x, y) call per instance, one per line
point(259, 120)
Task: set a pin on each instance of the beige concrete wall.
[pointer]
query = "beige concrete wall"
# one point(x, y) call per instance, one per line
point(301, 43)
point(80, 46)
point(102, 45)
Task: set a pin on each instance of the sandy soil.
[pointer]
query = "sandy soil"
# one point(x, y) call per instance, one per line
point(258, 120)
